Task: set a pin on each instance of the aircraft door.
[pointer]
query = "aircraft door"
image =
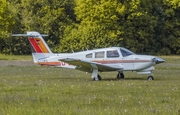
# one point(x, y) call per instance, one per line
point(127, 59)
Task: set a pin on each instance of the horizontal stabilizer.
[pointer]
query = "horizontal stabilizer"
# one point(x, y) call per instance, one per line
point(29, 35)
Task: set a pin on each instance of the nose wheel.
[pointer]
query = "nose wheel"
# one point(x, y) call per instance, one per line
point(150, 78)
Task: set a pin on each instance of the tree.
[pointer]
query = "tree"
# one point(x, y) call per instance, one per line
point(6, 23)
point(97, 25)
point(172, 25)
point(167, 36)
point(138, 26)
point(46, 16)
point(144, 26)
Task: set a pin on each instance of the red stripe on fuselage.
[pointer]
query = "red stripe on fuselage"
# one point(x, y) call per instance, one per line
point(35, 45)
point(50, 63)
point(120, 61)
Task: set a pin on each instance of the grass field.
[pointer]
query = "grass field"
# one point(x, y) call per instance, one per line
point(15, 57)
point(37, 90)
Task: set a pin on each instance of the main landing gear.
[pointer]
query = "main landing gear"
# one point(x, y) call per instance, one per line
point(120, 75)
point(98, 78)
point(95, 75)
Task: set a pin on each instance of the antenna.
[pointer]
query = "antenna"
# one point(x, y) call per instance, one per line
point(72, 51)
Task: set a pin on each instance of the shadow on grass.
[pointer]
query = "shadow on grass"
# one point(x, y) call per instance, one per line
point(133, 78)
point(103, 79)
point(114, 79)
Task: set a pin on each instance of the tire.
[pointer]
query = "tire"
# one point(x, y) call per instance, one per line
point(150, 78)
point(98, 78)
point(120, 76)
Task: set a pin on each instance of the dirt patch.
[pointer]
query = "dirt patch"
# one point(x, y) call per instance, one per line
point(16, 63)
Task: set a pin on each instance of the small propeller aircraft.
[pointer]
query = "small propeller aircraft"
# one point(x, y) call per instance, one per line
point(92, 61)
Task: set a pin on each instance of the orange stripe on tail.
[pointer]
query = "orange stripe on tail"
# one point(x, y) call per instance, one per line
point(41, 45)
point(38, 45)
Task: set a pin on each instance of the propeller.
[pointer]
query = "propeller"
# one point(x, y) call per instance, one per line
point(158, 60)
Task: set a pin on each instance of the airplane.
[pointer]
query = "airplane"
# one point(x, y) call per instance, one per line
point(92, 61)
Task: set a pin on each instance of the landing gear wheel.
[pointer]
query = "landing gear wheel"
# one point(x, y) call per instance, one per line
point(98, 78)
point(150, 78)
point(120, 76)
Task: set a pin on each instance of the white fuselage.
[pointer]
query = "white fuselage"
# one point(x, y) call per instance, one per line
point(128, 63)
point(93, 61)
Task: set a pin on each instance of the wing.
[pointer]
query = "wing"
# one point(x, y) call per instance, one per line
point(88, 66)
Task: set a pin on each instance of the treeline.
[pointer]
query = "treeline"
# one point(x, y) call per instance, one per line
point(143, 26)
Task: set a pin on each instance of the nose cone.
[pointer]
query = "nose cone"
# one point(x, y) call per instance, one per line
point(158, 60)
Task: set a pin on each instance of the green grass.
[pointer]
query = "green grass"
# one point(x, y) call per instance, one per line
point(171, 59)
point(15, 57)
point(37, 90)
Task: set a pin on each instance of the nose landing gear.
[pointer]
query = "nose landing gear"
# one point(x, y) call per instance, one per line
point(150, 78)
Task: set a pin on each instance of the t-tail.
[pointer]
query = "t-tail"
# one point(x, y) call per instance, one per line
point(39, 48)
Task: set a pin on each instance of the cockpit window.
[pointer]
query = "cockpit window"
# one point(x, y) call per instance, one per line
point(112, 54)
point(89, 55)
point(126, 52)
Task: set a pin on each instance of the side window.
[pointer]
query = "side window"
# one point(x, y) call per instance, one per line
point(89, 55)
point(112, 54)
point(99, 54)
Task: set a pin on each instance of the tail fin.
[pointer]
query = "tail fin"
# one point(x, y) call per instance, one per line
point(39, 48)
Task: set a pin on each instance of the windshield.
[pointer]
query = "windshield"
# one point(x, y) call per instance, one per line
point(126, 52)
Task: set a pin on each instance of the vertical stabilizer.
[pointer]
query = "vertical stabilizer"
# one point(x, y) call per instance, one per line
point(37, 42)
point(39, 48)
